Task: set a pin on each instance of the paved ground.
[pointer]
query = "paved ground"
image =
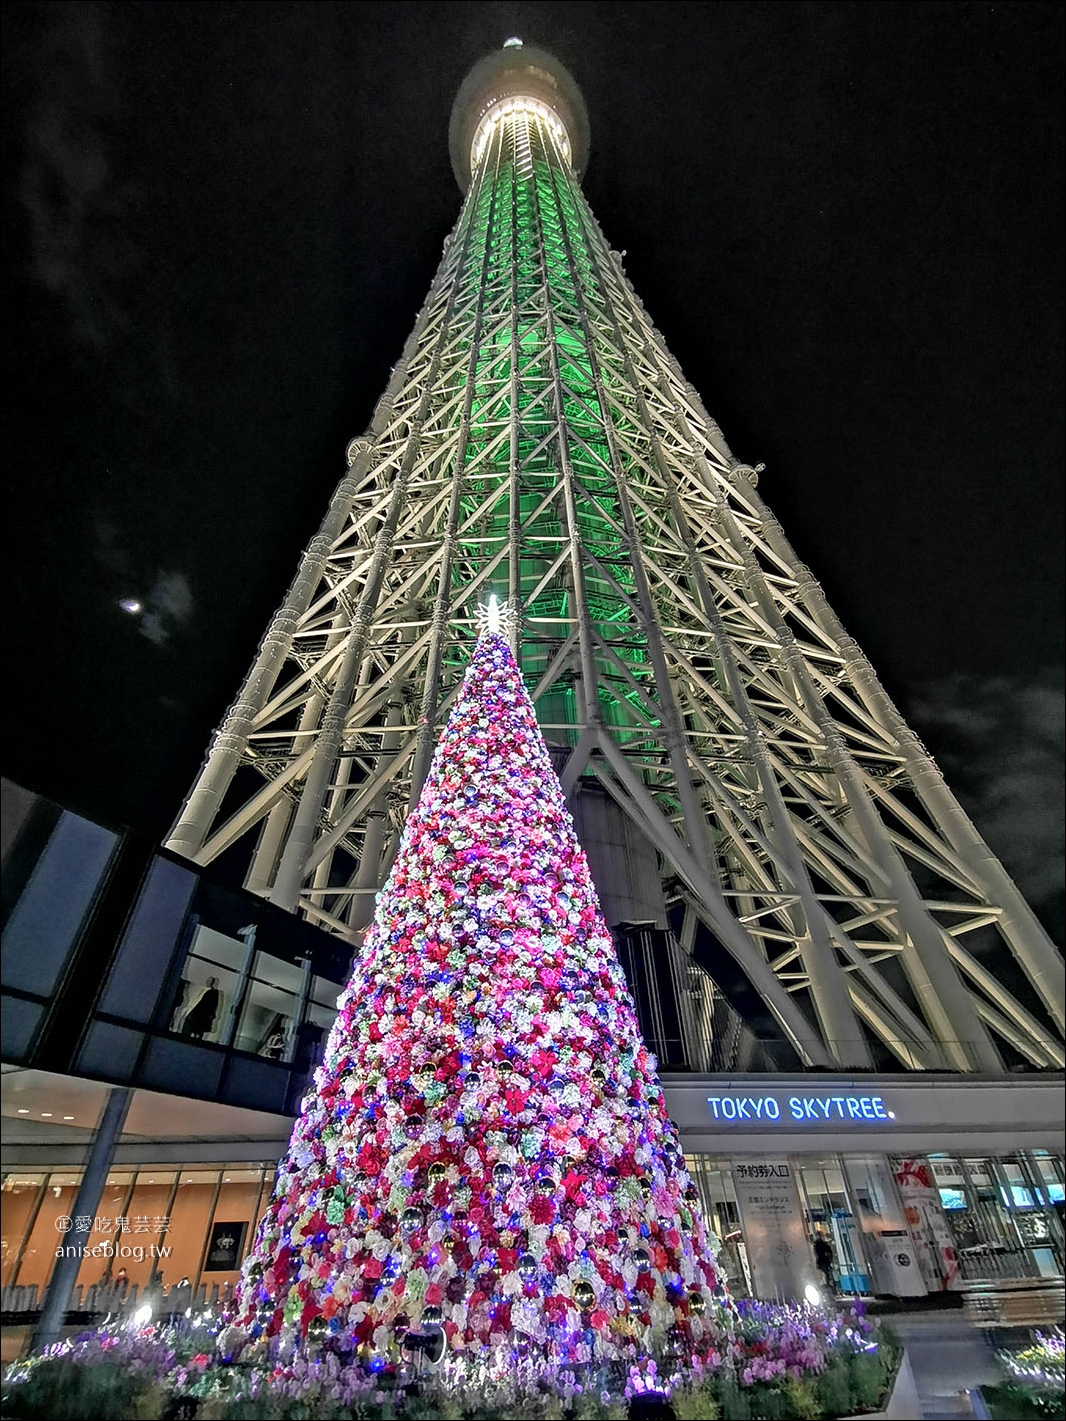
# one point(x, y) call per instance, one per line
point(949, 1358)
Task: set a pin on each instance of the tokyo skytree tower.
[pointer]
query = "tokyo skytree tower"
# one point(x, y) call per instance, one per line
point(738, 775)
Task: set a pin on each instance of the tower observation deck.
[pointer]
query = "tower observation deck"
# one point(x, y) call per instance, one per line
point(740, 780)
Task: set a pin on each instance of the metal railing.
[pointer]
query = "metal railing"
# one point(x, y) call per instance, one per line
point(24, 1301)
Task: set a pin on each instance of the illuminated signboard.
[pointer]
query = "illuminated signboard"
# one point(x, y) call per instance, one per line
point(800, 1109)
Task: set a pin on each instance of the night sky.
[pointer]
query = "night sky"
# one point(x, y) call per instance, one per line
point(220, 220)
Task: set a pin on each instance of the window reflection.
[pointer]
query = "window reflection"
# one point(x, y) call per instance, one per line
point(270, 1008)
point(713, 1179)
point(252, 978)
point(21, 1196)
point(210, 978)
point(830, 1215)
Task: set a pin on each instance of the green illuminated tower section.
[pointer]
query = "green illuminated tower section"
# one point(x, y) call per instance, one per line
point(535, 272)
point(741, 781)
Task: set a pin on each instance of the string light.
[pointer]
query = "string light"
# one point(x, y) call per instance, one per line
point(486, 1149)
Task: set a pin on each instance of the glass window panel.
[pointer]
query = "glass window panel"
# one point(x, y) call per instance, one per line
point(830, 1215)
point(210, 979)
point(114, 1198)
point(19, 1197)
point(713, 1179)
point(268, 1012)
point(46, 1235)
point(47, 920)
point(147, 1227)
point(1017, 1194)
point(288, 976)
point(132, 1220)
point(983, 1237)
point(151, 937)
point(233, 1225)
point(218, 949)
point(953, 1198)
point(979, 1173)
point(1051, 1175)
point(322, 1006)
point(190, 1216)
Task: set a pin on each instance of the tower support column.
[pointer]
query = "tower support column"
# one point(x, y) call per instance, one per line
point(67, 1267)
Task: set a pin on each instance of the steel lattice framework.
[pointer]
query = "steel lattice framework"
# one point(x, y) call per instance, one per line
point(538, 441)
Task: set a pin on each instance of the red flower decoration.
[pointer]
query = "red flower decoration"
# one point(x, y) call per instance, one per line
point(573, 1187)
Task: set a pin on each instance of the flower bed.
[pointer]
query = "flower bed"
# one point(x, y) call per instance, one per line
point(1033, 1386)
point(767, 1361)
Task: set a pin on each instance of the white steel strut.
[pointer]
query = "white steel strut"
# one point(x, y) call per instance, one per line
point(538, 442)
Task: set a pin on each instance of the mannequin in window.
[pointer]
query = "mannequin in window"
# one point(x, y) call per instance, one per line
point(274, 1046)
point(181, 1006)
point(200, 1020)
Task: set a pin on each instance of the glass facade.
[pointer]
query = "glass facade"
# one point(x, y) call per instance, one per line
point(236, 972)
point(830, 1214)
point(162, 1226)
point(989, 1217)
point(166, 1226)
point(232, 992)
point(1005, 1214)
point(209, 991)
point(713, 1179)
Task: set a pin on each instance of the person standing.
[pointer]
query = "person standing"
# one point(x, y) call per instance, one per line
point(823, 1260)
point(201, 1018)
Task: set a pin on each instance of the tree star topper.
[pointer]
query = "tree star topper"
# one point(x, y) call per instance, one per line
point(497, 618)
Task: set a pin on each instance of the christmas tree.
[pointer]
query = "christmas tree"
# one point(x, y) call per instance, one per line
point(486, 1159)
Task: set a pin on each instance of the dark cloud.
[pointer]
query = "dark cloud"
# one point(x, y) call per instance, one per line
point(1002, 750)
point(78, 248)
point(170, 604)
